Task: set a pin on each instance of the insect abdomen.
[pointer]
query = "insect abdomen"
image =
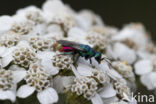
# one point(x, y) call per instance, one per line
point(66, 49)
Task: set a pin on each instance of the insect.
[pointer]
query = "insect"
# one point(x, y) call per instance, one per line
point(76, 49)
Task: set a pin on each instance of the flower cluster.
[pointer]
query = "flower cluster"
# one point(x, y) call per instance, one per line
point(39, 43)
point(9, 40)
point(62, 62)
point(6, 79)
point(24, 56)
point(29, 64)
point(89, 85)
point(37, 77)
point(22, 28)
point(85, 86)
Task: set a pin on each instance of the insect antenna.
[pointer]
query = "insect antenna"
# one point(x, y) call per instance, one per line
point(108, 60)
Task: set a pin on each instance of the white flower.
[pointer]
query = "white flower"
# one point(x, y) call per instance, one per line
point(133, 32)
point(121, 88)
point(62, 62)
point(9, 39)
point(6, 55)
point(54, 32)
point(122, 52)
point(35, 15)
point(126, 71)
point(27, 54)
point(105, 30)
point(40, 43)
point(37, 79)
point(102, 77)
point(22, 28)
point(5, 23)
point(62, 83)
point(149, 80)
point(46, 61)
point(31, 13)
point(24, 56)
point(99, 41)
point(146, 69)
point(8, 81)
point(86, 19)
point(57, 13)
point(85, 86)
point(99, 79)
point(78, 35)
point(143, 66)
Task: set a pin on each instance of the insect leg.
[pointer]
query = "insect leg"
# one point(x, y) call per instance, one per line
point(108, 61)
point(90, 61)
point(76, 57)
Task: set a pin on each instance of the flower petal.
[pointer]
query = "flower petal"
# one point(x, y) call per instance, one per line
point(76, 73)
point(104, 66)
point(143, 67)
point(25, 91)
point(47, 96)
point(61, 82)
point(47, 64)
point(18, 75)
point(97, 99)
point(108, 91)
point(6, 60)
point(84, 69)
point(2, 50)
point(124, 53)
point(111, 100)
point(5, 23)
point(78, 35)
point(7, 57)
point(23, 43)
point(114, 74)
point(149, 80)
point(45, 55)
point(7, 95)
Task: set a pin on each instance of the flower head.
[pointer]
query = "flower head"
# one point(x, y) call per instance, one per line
point(9, 40)
point(121, 89)
point(85, 86)
point(6, 79)
point(98, 41)
point(124, 69)
point(7, 85)
point(62, 62)
point(22, 28)
point(35, 16)
point(40, 43)
point(100, 76)
point(24, 56)
point(37, 79)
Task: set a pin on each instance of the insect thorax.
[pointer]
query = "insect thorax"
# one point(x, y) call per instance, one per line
point(88, 53)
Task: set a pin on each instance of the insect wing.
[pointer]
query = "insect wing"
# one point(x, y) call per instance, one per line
point(70, 44)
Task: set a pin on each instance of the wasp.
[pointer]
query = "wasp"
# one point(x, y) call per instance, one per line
point(76, 49)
